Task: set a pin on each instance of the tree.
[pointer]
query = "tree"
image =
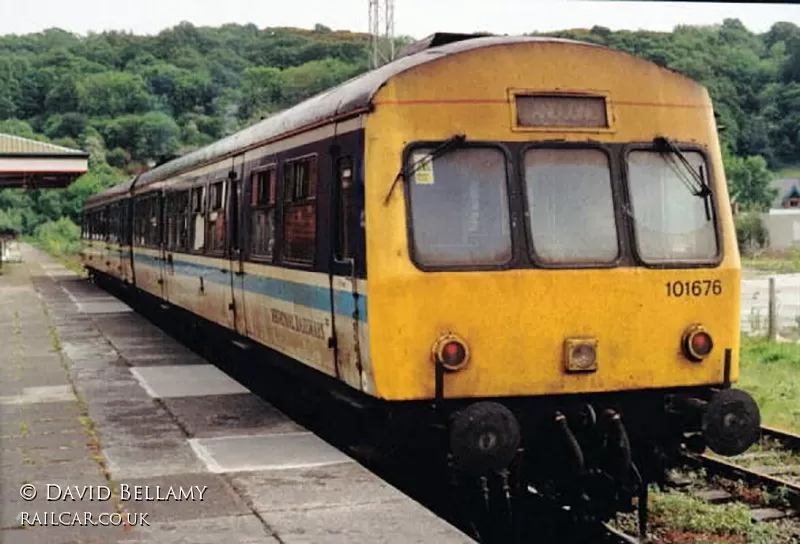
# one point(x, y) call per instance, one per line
point(64, 95)
point(301, 82)
point(23, 129)
point(10, 88)
point(791, 69)
point(146, 137)
point(261, 91)
point(748, 180)
point(780, 32)
point(109, 94)
point(69, 125)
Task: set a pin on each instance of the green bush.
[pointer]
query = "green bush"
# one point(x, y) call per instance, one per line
point(751, 232)
point(60, 237)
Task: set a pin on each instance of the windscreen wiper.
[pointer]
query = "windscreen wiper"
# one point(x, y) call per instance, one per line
point(437, 152)
point(696, 182)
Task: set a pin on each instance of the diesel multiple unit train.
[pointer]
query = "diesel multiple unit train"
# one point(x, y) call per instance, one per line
point(525, 243)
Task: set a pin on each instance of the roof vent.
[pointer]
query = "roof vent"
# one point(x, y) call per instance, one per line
point(435, 40)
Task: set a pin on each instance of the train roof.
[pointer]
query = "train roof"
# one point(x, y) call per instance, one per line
point(118, 190)
point(350, 97)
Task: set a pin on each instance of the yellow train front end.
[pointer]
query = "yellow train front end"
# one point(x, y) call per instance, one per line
point(558, 248)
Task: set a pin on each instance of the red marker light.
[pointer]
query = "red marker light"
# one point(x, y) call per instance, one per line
point(697, 343)
point(451, 352)
point(701, 343)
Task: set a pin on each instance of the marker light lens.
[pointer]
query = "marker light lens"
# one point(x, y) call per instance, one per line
point(451, 352)
point(701, 343)
point(697, 343)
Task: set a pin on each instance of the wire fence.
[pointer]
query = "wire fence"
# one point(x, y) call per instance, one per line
point(771, 307)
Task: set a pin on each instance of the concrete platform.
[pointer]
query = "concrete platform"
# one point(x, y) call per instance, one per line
point(94, 399)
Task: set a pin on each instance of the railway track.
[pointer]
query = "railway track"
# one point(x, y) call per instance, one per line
point(766, 479)
point(771, 468)
point(773, 464)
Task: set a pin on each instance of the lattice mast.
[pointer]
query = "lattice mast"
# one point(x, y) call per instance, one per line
point(381, 30)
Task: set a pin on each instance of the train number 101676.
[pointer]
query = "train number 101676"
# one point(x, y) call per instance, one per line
point(696, 288)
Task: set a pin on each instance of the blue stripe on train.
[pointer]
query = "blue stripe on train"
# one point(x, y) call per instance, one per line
point(311, 296)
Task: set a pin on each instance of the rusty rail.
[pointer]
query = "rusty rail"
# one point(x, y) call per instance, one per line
point(790, 440)
point(616, 536)
point(753, 477)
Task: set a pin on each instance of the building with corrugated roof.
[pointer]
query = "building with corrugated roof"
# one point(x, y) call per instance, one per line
point(31, 164)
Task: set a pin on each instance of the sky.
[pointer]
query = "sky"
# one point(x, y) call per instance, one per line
point(417, 18)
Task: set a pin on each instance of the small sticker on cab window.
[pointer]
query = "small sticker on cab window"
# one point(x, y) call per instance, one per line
point(423, 164)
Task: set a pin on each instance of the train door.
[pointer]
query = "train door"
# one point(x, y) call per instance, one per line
point(158, 216)
point(122, 220)
point(102, 240)
point(109, 242)
point(128, 238)
point(346, 296)
point(257, 224)
point(236, 190)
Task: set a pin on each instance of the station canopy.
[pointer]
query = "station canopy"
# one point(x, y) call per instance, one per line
point(37, 165)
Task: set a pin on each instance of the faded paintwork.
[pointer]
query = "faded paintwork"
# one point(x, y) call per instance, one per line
point(516, 321)
point(283, 323)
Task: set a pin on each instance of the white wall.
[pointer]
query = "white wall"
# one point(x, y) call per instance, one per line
point(783, 226)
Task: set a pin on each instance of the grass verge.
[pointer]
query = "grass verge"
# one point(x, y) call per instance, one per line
point(778, 262)
point(789, 172)
point(770, 372)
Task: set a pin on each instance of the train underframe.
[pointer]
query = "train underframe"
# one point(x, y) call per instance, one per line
point(581, 458)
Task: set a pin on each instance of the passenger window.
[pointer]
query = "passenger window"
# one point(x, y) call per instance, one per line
point(145, 221)
point(198, 219)
point(147, 214)
point(177, 221)
point(262, 215)
point(113, 224)
point(110, 224)
point(459, 207)
point(345, 209)
point(570, 206)
point(104, 224)
point(216, 220)
point(300, 212)
point(155, 222)
point(128, 224)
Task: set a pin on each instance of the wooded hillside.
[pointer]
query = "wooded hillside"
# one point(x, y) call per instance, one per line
point(135, 101)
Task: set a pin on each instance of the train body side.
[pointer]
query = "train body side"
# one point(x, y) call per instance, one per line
point(314, 312)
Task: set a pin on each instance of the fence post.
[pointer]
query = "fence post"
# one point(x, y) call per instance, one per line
point(772, 320)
